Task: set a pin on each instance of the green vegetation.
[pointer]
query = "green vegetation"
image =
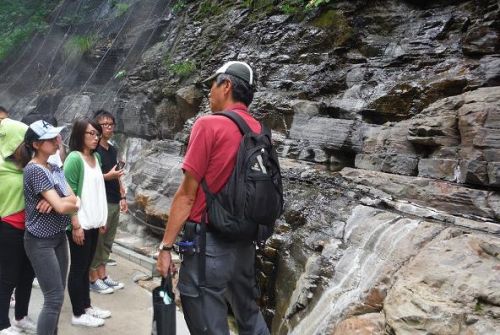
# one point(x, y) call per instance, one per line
point(178, 6)
point(77, 45)
point(122, 8)
point(289, 7)
point(120, 74)
point(20, 20)
point(292, 7)
point(317, 3)
point(182, 69)
point(338, 23)
point(208, 8)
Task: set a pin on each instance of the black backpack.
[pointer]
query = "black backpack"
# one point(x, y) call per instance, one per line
point(248, 205)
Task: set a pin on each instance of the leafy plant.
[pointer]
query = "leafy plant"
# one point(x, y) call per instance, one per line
point(317, 3)
point(120, 74)
point(20, 20)
point(122, 8)
point(208, 8)
point(181, 69)
point(178, 6)
point(336, 22)
point(77, 46)
point(292, 7)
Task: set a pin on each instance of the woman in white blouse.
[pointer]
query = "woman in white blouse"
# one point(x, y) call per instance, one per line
point(83, 172)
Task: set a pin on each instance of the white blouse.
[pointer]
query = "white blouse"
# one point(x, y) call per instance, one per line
point(93, 212)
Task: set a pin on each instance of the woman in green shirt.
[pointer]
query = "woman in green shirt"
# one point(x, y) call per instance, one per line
point(16, 270)
point(82, 170)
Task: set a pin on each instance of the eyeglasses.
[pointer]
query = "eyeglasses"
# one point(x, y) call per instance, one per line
point(107, 125)
point(93, 133)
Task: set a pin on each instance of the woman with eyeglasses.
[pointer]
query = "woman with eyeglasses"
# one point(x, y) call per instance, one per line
point(45, 239)
point(82, 169)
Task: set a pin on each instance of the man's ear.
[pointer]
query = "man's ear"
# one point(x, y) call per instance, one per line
point(228, 86)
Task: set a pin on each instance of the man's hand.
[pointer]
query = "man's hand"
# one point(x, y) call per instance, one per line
point(123, 206)
point(103, 229)
point(164, 264)
point(114, 174)
point(78, 236)
point(43, 206)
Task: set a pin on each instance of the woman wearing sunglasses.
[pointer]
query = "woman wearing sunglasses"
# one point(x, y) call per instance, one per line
point(83, 172)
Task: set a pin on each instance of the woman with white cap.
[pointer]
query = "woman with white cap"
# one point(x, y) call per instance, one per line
point(17, 271)
point(45, 238)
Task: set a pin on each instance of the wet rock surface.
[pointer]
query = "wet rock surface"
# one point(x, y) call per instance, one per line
point(386, 116)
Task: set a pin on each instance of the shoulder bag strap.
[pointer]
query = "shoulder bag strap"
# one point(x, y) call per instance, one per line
point(242, 125)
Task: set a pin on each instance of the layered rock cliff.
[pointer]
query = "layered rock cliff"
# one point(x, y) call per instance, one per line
point(386, 115)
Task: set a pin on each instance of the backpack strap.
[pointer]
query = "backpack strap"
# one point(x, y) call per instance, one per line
point(242, 125)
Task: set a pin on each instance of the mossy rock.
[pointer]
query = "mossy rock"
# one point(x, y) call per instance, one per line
point(334, 21)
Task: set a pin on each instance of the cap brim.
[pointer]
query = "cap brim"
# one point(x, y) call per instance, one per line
point(52, 133)
point(209, 80)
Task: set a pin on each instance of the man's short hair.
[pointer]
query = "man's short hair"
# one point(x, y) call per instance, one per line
point(242, 91)
point(102, 113)
point(3, 110)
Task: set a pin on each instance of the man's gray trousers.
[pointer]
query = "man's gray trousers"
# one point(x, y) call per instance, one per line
point(230, 278)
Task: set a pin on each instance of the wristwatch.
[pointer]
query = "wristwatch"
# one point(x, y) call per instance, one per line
point(165, 247)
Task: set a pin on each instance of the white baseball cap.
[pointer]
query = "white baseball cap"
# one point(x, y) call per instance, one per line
point(44, 130)
point(238, 69)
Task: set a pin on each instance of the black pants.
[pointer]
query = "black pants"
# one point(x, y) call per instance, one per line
point(78, 279)
point(230, 278)
point(15, 272)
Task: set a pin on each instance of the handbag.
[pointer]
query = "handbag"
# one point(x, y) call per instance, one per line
point(164, 313)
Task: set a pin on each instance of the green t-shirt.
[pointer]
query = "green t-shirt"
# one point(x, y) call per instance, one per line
point(11, 189)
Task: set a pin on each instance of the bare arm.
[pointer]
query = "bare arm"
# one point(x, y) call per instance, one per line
point(179, 212)
point(123, 202)
point(66, 205)
point(77, 231)
point(181, 207)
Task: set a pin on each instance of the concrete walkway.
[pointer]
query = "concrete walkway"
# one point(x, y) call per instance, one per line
point(131, 307)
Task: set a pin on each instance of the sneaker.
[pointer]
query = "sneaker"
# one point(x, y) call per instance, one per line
point(111, 262)
point(98, 313)
point(11, 331)
point(25, 324)
point(100, 287)
point(115, 285)
point(86, 320)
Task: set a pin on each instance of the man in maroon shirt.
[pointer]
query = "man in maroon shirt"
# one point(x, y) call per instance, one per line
point(229, 265)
